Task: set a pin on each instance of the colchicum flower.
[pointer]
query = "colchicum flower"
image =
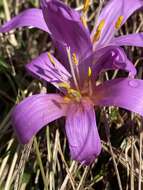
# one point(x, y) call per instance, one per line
point(82, 57)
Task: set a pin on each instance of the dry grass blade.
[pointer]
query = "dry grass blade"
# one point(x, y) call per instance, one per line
point(66, 166)
point(21, 165)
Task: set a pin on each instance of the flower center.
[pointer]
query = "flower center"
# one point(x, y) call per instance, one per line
point(76, 89)
point(74, 95)
point(73, 90)
point(71, 94)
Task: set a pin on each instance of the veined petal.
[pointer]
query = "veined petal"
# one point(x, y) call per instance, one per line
point(65, 10)
point(61, 54)
point(110, 58)
point(31, 17)
point(112, 11)
point(82, 133)
point(129, 40)
point(66, 27)
point(49, 70)
point(35, 112)
point(122, 92)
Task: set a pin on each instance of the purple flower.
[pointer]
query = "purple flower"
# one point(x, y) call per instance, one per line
point(82, 61)
point(68, 28)
point(76, 100)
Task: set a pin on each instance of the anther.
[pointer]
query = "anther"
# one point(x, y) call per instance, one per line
point(98, 31)
point(64, 85)
point(51, 59)
point(74, 59)
point(72, 68)
point(89, 71)
point(119, 22)
point(74, 94)
point(86, 4)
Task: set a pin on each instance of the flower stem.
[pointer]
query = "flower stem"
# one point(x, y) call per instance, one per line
point(40, 163)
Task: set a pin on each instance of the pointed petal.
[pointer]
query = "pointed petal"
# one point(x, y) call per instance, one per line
point(111, 13)
point(66, 27)
point(82, 133)
point(43, 68)
point(31, 17)
point(122, 92)
point(34, 112)
point(110, 58)
point(129, 40)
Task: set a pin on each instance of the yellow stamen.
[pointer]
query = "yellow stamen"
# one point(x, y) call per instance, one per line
point(64, 85)
point(98, 31)
point(71, 93)
point(119, 22)
point(51, 59)
point(74, 94)
point(74, 59)
point(89, 71)
point(83, 20)
point(72, 68)
point(86, 5)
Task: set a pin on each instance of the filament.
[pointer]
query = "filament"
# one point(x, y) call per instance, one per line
point(51, 59)
point(83, 20)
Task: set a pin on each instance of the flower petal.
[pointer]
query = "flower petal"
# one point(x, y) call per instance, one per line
point(82, 133)
point(43, 68)
point(109, 58)
point(111, 13)
point(61, 54)
point(129, 40)
point(66, 27)
point(34, 112)
point(122, 92)
point(31, 17)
